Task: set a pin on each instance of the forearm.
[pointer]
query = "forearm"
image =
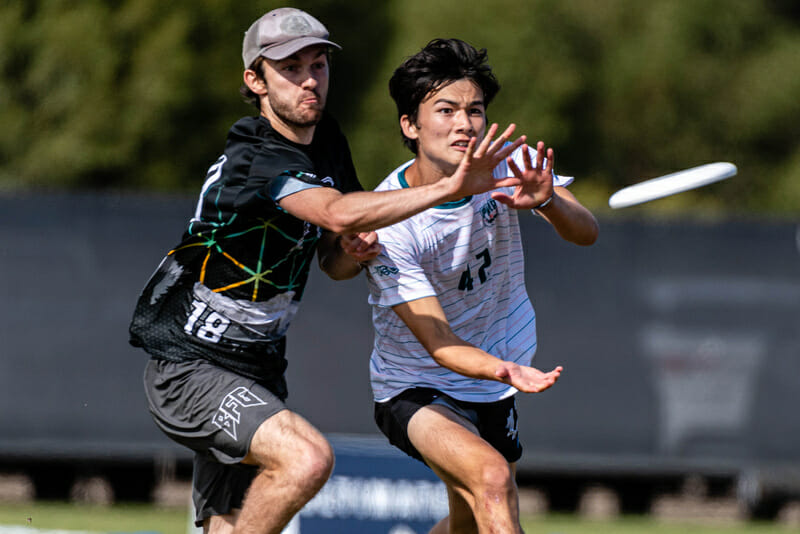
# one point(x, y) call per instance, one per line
point(367, 211)
point(572, 221)
point(467, 360)
point(334, 261)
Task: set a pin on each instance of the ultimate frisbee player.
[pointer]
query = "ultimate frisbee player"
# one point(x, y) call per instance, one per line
point(454, 328)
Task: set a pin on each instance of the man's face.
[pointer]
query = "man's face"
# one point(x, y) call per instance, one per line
point(446, 120)
point(297, 87)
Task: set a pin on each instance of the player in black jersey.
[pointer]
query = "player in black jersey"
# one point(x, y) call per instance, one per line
point(214, 315)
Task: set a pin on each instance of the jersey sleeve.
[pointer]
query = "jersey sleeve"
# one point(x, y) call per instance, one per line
point(397, 275)
point(281, 170)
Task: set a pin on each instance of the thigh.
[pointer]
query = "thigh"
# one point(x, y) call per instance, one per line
point(449, 443)
point(392, 416)
point(209, 409)
point(281, 439)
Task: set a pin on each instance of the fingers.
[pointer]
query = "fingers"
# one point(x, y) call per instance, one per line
point(526, 157)
point(510, 181)
point(487, 140)
point(503, 199)
point(503, 139)
point(508, 149)
point(515, 170)
point(469, 153)
point(539, 155)
point(360, 243)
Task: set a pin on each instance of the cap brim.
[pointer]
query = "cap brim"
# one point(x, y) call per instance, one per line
point(284, 50)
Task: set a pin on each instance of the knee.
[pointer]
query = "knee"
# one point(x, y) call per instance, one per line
point(314, 462)
point(497, 481)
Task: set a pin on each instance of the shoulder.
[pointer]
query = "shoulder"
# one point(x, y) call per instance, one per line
point(271, 152)
point(395, 178)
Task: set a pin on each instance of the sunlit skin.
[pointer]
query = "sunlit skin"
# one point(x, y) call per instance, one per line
point(296, 90)
point(446, 120)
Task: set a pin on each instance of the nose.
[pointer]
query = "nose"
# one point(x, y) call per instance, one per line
point(309, 82)
point(463, 122)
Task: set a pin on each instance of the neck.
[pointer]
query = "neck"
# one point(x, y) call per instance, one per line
point(301, 135)
point(423, 172)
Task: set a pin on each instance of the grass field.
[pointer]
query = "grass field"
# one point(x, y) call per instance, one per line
point(146, 518)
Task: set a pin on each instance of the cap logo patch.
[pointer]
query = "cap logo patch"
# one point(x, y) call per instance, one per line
point(296, 25)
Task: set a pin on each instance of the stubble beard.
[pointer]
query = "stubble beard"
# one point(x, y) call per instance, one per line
point(295, 117)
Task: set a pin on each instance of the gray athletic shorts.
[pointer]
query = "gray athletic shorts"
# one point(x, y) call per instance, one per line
point(215, 412)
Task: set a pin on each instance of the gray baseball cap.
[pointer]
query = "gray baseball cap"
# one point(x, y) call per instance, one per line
point(282, 32)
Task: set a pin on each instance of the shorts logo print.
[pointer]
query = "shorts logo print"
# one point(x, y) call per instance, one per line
point(229, 414)
point(511, 425)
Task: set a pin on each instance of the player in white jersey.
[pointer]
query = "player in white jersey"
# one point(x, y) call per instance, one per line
point(454, 328)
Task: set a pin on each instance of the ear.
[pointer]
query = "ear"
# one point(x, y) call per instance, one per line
point(408, 127)
point(254, 82)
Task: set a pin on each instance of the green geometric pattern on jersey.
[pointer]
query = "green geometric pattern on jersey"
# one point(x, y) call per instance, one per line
point(256, 262)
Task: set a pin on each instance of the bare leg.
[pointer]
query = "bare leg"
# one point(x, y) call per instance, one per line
point(295, 461)
point(220, 524)
point(481, 487)
point(463, 520)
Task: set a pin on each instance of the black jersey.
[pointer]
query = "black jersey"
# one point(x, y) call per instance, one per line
point(229, 290)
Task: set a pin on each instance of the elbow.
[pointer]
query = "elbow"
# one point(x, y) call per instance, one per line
point(343, 223)
point(590, 234)
point(590, 238)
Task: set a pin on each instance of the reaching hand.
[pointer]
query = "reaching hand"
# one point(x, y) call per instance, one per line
point(536, 181)
point(526, 379)
point(474, 173)
point(362, 246)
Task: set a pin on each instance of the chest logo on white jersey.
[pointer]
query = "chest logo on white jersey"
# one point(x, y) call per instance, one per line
point(489, 211)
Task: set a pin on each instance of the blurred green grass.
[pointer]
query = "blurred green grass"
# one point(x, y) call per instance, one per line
point(148, 518)
point(116, 518)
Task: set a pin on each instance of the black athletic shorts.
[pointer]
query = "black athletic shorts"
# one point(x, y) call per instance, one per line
point(496, 421)
point(215, 412)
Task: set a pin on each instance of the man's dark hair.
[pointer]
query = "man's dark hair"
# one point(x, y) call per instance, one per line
point(440, 63)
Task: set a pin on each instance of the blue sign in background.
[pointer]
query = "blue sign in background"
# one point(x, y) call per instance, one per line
point(374, 489)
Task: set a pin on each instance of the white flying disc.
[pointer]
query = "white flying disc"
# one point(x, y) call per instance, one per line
point(671, 184)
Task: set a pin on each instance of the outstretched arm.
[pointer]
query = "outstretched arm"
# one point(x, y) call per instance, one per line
point(426, 319)
point(570, 219)
point(362, 211)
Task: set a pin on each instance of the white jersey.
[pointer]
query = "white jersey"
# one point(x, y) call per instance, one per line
point(467, 254)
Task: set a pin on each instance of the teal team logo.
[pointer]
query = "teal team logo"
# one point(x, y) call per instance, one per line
point(385, 270)
point(489, 211)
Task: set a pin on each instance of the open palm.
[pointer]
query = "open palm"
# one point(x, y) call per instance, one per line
point(536, 179)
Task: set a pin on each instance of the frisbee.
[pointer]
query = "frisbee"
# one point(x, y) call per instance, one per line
point(670, 184)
